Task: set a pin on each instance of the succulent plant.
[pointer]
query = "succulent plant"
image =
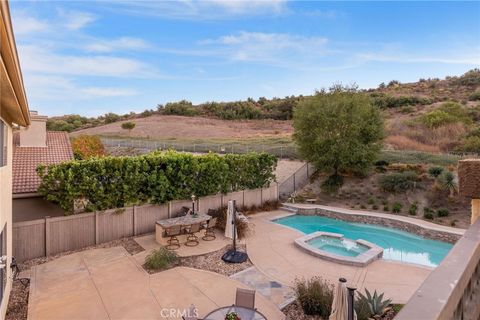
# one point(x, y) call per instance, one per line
point(375, 302)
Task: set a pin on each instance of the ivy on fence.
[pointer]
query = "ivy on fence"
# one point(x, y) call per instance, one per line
point(158, 177)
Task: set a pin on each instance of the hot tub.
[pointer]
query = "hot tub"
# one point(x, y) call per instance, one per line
point(335, 247)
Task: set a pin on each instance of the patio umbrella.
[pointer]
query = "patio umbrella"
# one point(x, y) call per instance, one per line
point(340, 302)
point(230, 224)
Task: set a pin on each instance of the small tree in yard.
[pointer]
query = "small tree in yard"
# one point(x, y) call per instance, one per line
point(129, 125)
point(86, 147)
point(338, 131)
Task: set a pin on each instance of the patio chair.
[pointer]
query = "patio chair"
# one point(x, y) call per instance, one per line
point(245, 298)
point(173, 232)
point(210, 230)
point(192, 239)
point(183, 212)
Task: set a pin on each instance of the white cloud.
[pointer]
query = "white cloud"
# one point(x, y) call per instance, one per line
point(124, 43)
point(24, 23)
point(75, 20)
point(40, 60)
point(278, 48)
point(201, 9)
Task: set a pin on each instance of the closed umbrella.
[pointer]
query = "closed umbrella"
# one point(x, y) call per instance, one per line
point(340, 302)
point(230, 227)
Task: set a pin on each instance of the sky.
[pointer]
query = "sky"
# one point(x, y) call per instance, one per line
point(93, 57)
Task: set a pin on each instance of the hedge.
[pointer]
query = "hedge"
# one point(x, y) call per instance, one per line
point(158, 177)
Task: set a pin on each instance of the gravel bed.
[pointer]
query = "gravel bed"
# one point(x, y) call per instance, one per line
point(210, 262)
point(17, 308)
point(213, 262)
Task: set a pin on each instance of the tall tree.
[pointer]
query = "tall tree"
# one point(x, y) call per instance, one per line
point(338, 131)
point(129, 125)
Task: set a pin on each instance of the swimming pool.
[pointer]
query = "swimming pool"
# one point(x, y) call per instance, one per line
point(397, 245)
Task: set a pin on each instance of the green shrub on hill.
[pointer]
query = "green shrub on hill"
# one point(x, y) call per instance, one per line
point(158, 177)
point(448, 112)
point(384, 101)
point(398, 181)
point(474, 96)
point(180, 108)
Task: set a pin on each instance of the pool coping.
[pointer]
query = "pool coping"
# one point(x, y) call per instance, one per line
point(419, 227)
point(362, 260)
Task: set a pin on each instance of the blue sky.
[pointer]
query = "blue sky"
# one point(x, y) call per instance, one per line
point(93, 57)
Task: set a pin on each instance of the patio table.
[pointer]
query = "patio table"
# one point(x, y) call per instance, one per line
point(243, 313)
point(186, 220)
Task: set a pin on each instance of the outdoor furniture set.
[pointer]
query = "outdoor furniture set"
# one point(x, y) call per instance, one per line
point(184, 229)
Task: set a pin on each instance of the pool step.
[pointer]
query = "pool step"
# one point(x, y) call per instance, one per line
point(288, 207)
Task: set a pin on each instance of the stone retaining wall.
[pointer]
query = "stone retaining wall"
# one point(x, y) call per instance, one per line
point(381, 221)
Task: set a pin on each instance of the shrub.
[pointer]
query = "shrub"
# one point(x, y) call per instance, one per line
point(376, 304)
point(386, 208)
point(435, 171)
point(398, 181)
point(448, 112)
point(470, 144)
point(428, 213)
point(375, 207)
point(474, 96)
point(86, 147)
point(111, 117)
point(397, 207)
point(158, 177)
point(180, 108)
point(447, 182)
point(332, 183)
point(443, 212)
point(371, 201)
point(315, 296)
point(413, 209)
point(160, 259)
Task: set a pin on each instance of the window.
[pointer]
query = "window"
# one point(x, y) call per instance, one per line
point(3, 144)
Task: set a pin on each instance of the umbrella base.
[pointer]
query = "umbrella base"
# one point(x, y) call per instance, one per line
point(232, 256)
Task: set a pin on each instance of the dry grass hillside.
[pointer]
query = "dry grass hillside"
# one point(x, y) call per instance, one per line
point(181, 127)
point(430, 115)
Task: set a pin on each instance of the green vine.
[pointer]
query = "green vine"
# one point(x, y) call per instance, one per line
point(158, 177)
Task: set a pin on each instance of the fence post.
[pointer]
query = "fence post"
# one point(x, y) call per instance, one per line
point(307, 171)
point(169, 209)
point(281, 152)
point(134, 221)
point(47, 236)
point(97, 234)
point(261, 196)
point(294, 184)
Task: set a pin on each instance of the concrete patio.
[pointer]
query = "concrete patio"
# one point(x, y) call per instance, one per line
point(111, 284)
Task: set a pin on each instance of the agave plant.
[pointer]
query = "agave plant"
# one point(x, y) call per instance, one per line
point(375, 302)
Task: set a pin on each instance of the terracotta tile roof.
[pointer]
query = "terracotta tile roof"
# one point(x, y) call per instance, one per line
point(27, 159)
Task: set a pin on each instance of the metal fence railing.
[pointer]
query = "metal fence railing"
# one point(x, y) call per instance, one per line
point(281, 152)
point(296, 181)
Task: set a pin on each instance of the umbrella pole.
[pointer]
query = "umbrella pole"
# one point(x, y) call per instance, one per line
point(234, 222)
point(351, 299)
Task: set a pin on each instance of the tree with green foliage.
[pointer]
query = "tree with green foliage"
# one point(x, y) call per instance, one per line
point(129, 125)
point(339, 131)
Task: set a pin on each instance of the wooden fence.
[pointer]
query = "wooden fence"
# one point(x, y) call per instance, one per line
point(49, 236)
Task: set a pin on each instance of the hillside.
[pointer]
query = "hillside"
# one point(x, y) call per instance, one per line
point(430, 115)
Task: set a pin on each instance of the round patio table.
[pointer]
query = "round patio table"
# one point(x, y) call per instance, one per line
point(243, 313)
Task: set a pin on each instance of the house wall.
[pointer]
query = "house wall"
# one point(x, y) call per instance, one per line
point(6, 216)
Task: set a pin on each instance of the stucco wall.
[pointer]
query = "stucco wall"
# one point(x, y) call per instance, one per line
point(6, 215)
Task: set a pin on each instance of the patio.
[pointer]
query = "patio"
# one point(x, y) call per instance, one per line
point(111, 284)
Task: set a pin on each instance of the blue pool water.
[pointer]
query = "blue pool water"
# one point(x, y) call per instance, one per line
point(397, 245)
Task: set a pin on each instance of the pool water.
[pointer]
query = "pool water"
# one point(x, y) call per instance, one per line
point(397, 245)
point(343, 247)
